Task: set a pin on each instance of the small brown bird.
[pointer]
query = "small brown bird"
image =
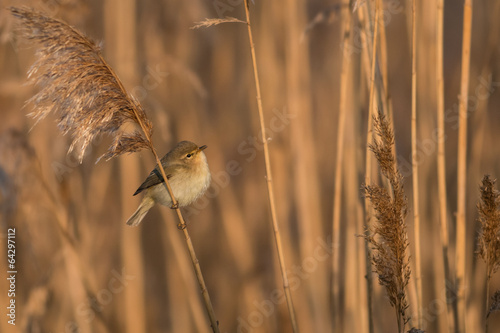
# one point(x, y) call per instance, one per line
point(187, 172)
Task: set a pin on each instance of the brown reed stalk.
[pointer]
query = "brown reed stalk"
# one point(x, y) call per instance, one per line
point(365, 54)
point(286, 286)
point(441, 166)
point(344, 77)
point(367, 18)
point(461, 244)
point(388, 237)
point(368, 166)
point(269, 179)
point(414, 165)
point(80, 88)
point(489, 234)
point(173, 245)
point(387, 100)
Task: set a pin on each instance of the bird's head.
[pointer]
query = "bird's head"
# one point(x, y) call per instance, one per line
point(188, 153)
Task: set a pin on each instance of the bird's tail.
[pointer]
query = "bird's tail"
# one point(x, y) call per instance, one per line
point(136, 218)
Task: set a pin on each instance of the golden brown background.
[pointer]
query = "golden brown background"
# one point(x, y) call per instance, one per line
point(198, 85)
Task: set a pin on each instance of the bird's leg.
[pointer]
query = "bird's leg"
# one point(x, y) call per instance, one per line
point(181, 226)
point(174, 206)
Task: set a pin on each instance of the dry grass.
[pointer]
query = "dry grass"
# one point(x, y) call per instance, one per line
point(269, 177)
point(210, 22)
point(489, 217)
point(372, 107)
point(489, 234)
point(79, 87)
point(90, 100)
point(198, 85)
point(461, 239)
point(414, 165)
point(388, 237)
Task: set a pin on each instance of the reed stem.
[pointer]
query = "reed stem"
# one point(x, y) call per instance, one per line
point(486, 321)
point(416, 216)
point(461, 245)
point(441, 166)
point(338, 169)
point(368, 167)
point(269, 178)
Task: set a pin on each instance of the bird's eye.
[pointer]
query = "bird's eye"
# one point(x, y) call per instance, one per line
point(189, 155)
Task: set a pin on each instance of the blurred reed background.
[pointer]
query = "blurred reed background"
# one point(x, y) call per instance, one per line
point(82, 269)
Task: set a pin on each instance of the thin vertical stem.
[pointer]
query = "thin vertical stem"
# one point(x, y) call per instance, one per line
point(269, 178)
point(488, 277)
point(173, 244)
point(368, 165)
point(461, 245)
point(441, 165)
point(400, 319)
point(338, 169)
point(416, 217)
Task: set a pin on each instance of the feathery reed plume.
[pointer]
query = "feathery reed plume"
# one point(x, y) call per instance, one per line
point(388, 237)
point(79, 87)
point(209, 22)
point(89, 99)
point(489, 235)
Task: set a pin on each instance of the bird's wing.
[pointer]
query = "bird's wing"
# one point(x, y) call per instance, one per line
point(153, 179)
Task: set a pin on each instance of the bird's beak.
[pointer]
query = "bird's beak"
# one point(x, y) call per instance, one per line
point(202, 148)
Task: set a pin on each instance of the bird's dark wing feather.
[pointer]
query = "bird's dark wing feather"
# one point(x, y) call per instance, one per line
point(153, 179)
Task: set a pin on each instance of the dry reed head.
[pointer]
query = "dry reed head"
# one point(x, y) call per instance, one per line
point(389, 239)
point(210, 22)
point(489, 217)
point(79, 87)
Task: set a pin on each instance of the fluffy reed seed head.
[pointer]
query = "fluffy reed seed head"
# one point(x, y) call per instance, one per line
point(489, 218)
point(210, 22)
point(79, 87)
point(388, 237)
